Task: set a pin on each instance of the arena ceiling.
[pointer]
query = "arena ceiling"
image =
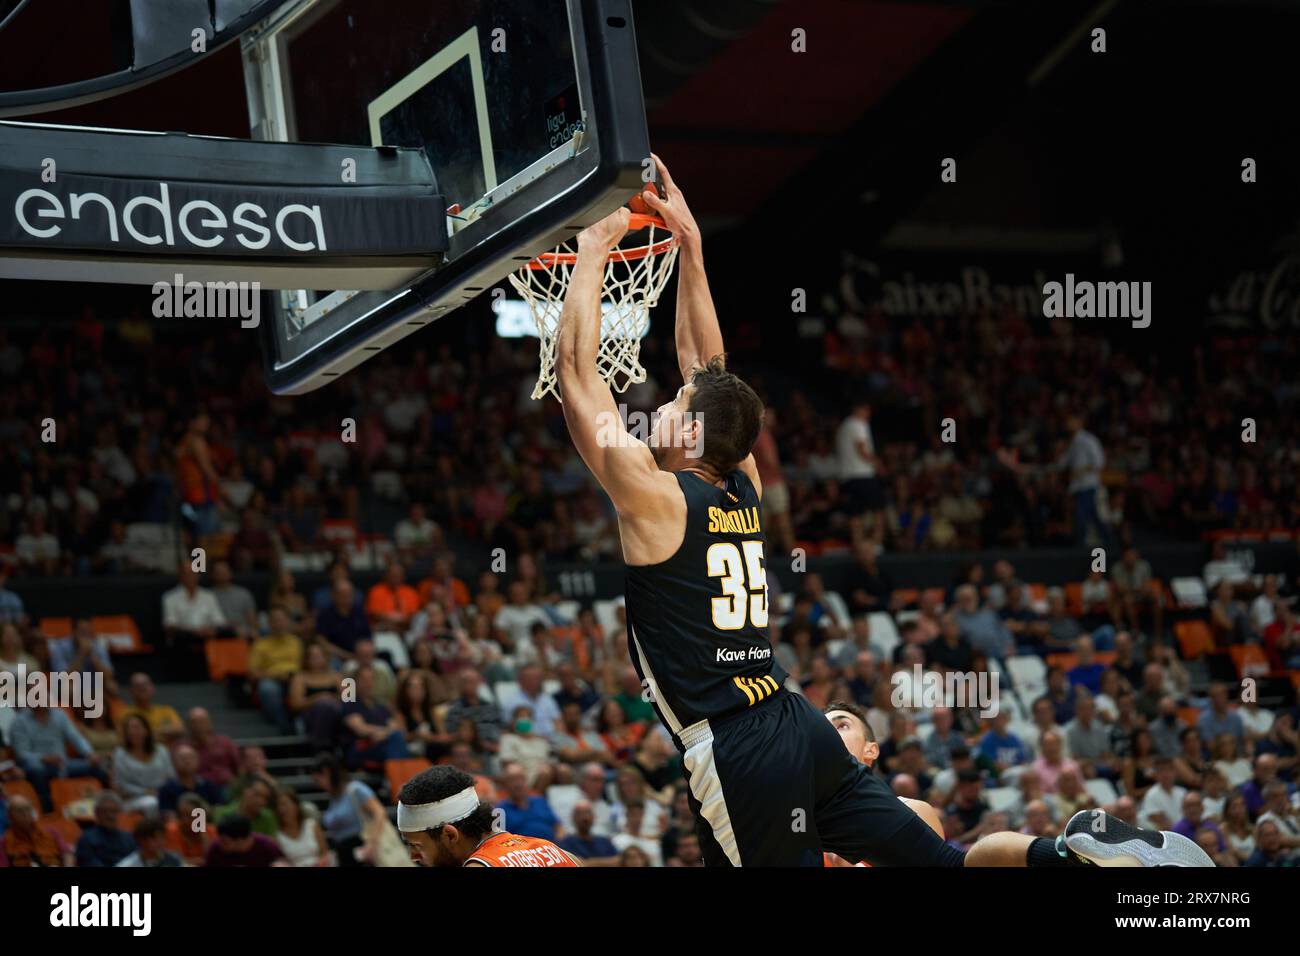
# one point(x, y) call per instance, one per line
point(1049, 133)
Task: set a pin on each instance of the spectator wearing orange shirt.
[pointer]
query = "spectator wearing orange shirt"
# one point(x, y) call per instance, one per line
point(392, 602)
point(441, 576)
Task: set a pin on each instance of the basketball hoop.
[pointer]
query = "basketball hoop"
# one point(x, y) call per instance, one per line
point(634, 278)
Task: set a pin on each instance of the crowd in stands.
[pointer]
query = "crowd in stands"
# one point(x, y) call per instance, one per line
point(978, 431)
point(1060, 436)
point(536, 698)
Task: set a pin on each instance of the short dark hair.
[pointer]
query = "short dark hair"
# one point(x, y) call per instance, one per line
point(235, 825)
point(851, 708)
point(731, 412)
point(148, 827)
point(439, 783)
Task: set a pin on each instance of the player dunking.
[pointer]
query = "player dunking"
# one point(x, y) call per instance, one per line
point(770, 781)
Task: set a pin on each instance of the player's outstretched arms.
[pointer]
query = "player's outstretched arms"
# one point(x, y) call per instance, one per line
point(621, 463)
point(699, 337)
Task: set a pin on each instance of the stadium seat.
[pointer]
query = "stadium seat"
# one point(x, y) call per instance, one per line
point(1194, 638)
point(227, 657)
point(883, 634)
point(1074, 599)
point(1189, 715)
point(67, 790)
point(397, 772)
point(1250, 659)
point(56, 627)
point(1029, 673)
point(1102, 790)
point(390, 644)
point(1067, 660)
point(905, 597)
point(21, 788)
point(120, 633)
point(1189, 592)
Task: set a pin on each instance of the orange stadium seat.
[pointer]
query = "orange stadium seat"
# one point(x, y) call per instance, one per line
point(21, 788)
point(1194, 638)
point(905, 597)
point(397, 772)
point(56, 627)
point(227, 657)
point(1250, 659)
point(1189, 715)
point(1074, 599)
point(70, 789)
point(120, 633)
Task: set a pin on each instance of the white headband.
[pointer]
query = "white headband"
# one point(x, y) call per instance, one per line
point(430, 816)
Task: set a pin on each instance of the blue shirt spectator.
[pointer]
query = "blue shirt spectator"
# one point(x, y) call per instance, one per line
point(1004, 748)
point(534, 818)
point(591, 847)
point(63, 652)
point(41, 732)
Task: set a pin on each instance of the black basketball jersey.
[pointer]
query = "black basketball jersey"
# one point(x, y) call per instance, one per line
point(697, 623)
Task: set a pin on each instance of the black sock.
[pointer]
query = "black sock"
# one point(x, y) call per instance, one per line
point(1043, 852)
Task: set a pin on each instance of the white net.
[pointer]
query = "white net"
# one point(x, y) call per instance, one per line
point(634, 279)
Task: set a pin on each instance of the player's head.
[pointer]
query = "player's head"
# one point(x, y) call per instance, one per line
point(851, 722)
point(441, 818)
point(713, 421)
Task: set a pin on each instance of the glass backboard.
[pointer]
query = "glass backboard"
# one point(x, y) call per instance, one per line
point(530, 113)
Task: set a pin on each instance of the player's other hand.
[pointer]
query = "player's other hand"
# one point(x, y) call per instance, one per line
point(605, 235)
point(672, 209)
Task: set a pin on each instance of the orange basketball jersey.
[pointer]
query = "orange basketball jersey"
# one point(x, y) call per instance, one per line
point(507, 849)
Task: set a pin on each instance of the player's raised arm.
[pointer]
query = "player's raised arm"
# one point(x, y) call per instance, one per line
point(699, 337)
point(622, 464)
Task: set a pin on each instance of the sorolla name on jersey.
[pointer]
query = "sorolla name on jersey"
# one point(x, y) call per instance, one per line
point(744, 521)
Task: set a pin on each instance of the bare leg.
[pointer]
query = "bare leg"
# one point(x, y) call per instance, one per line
point(1000, 849)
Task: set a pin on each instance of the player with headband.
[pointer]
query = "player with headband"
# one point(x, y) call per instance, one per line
point(444, 823)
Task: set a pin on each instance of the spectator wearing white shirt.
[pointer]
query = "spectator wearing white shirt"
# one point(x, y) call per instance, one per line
point(634, 828)
point(416, 535)
point(1162, 806)
point(518, 616)
point(529, 694)
point(1263, 610)
point(591, 789)
point(1222, 568)
point(859, 467)
point(190, 616)
point(539, 649)
point(36, 549)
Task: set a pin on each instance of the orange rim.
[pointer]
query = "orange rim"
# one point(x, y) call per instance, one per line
point(636, 223)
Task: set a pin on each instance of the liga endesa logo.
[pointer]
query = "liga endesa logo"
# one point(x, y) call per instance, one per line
point(36, 206)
